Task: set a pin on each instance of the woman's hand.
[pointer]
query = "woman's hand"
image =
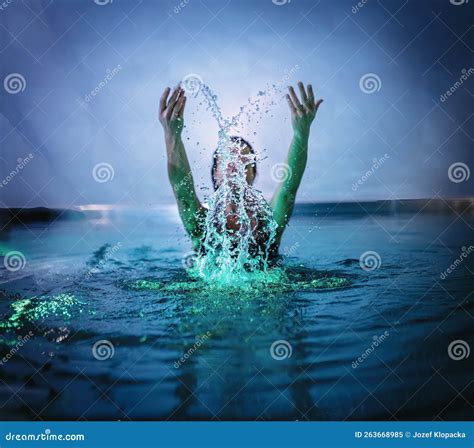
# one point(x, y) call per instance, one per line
point(171, 111)
point(304, 111)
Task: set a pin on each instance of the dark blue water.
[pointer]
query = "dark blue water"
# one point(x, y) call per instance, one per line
point(184, 352)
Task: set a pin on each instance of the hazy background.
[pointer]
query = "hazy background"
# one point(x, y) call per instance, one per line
point(63, 49)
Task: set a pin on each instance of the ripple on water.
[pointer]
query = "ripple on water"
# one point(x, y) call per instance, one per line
point(275, 280)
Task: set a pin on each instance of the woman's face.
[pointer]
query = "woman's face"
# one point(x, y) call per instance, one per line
point(244, 156)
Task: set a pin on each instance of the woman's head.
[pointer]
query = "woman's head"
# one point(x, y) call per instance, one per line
point(246, 154)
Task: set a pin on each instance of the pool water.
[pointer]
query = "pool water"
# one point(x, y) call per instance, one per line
point(106, 321)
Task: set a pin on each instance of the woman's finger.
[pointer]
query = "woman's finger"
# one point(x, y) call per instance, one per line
point(163, 99)
point(294, 98)
point(310, 94)
point(304, 97)
point(290, 103)
point(177, 108)
point(181, 111)
point(317, 104)
point(172, 102)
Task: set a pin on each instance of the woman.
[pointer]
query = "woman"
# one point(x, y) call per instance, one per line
point(303, 111)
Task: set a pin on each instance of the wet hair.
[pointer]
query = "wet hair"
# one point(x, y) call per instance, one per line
point(233, 139)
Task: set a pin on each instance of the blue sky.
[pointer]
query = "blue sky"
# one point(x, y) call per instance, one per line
point(415, 52)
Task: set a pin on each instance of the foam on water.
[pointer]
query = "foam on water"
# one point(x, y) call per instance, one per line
point(40, 308)
point(275, 281)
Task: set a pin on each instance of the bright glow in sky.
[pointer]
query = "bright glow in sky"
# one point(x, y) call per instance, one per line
point(237, 48)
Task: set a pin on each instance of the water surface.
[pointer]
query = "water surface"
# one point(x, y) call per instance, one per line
point(286, 350)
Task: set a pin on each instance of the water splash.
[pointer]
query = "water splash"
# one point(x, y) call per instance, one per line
point(239, 229)
point(36, 309)
point(277, 280)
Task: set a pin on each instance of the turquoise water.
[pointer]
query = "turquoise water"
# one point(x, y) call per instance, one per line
point(286, 349)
